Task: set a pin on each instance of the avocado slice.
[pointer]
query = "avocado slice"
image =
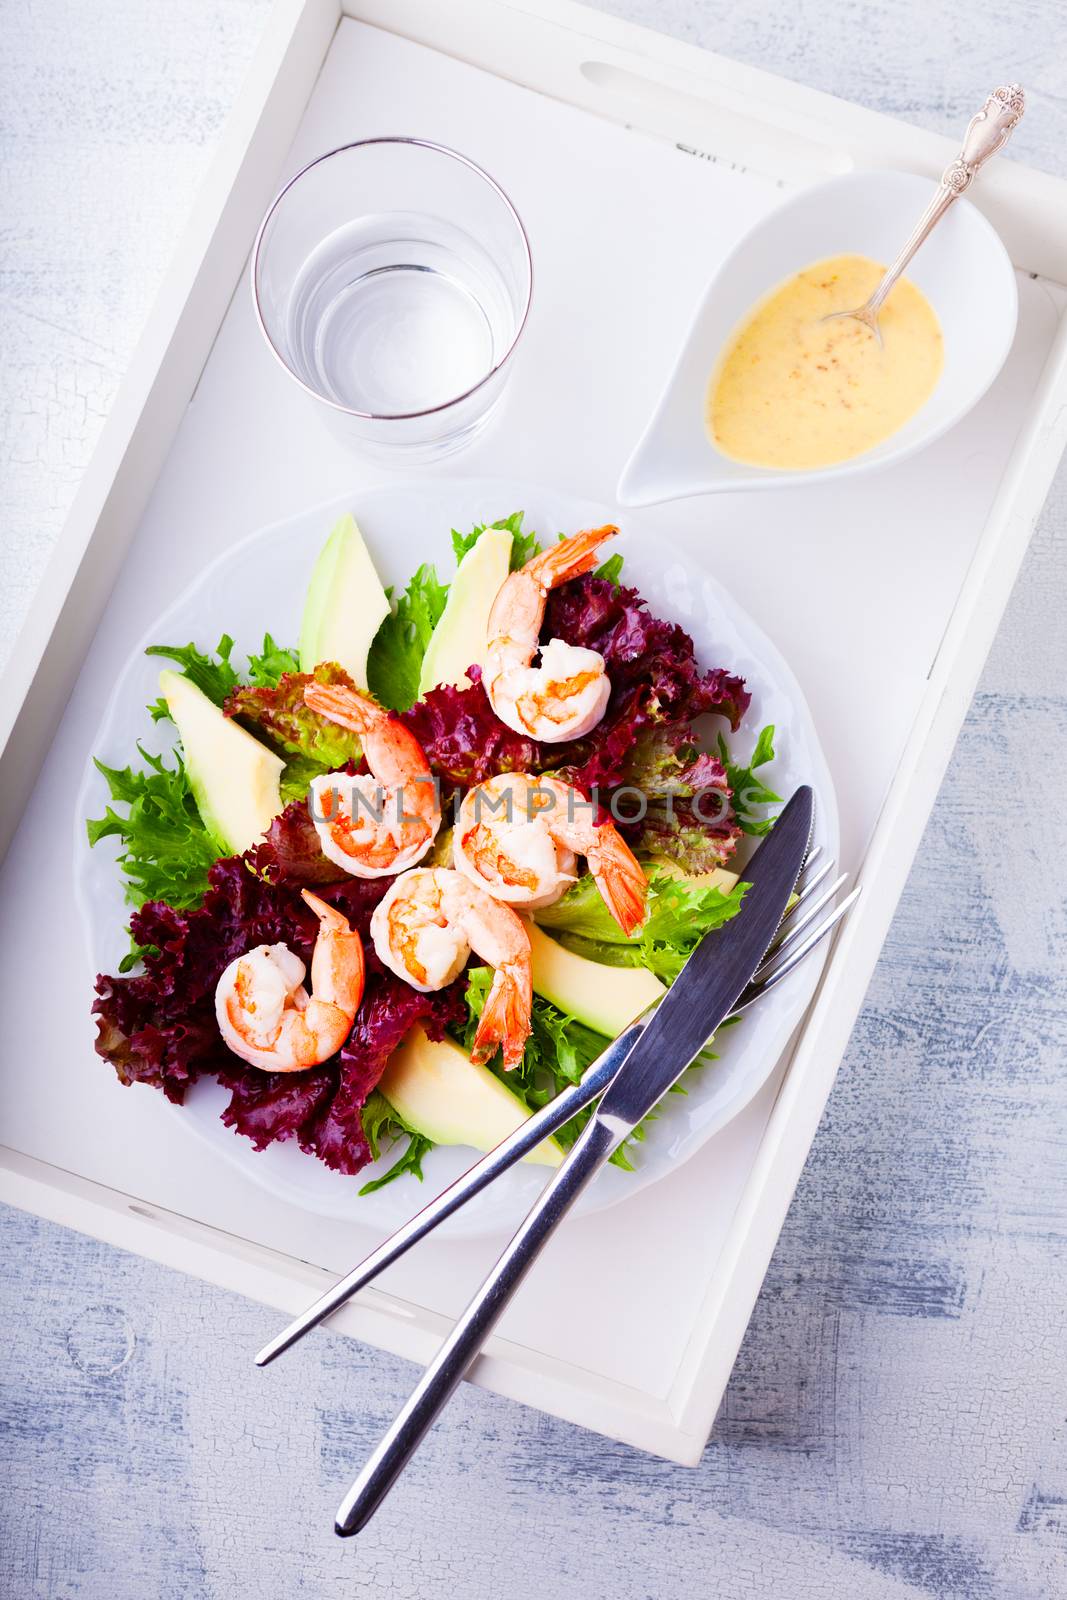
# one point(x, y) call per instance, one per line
point(345, 605)
point(234, 778)
point(716, 878)
point(605, 998)
point(442, 1094)
point(459, 639)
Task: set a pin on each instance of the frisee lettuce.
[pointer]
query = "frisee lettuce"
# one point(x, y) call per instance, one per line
point(679, 915)
point(166, 851)
point(384, 1126)
point(557, 1053)
point(523, 545)
point(214, 673)
point(747, 790)
point(266, 669)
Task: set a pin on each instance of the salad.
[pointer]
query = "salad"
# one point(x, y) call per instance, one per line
point(398, 884)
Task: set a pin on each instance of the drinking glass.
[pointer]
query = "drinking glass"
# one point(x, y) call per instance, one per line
point(391, 279)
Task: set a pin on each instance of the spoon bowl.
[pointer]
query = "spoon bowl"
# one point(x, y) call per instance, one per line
point(963, 270)
point(862, 314)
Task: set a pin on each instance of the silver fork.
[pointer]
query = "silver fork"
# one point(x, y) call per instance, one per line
point(806, 923)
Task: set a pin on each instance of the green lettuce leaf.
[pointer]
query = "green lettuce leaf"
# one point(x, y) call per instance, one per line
point(679, 915)
point(394, 664)
point(384, 1125)
point(611, 569)
point(272, 663)
point(278, 716)
point(557, 1053)
point(686, 839)
point(395, 659)
point(749, 792)
point(166, 850)
point(523, 545)
point(213, 673)
point(665, 761)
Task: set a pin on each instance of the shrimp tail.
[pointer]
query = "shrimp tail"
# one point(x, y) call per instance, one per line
point(505, 1020)
point(570, 558)
point(620, 879)
point(330, 919)
point(338, 970)
point(346, 707)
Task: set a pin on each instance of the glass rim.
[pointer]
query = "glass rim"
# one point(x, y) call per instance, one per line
point(342, 149)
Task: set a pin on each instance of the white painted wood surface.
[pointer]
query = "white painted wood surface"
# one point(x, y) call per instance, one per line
point(895, 1423)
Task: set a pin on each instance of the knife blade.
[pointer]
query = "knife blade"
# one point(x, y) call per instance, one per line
point(717, 971)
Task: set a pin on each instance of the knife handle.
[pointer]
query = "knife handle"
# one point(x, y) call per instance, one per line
point(539, 1126)
point(434, 1389)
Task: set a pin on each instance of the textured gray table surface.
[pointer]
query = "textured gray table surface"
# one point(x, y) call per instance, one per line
point(895, 1425)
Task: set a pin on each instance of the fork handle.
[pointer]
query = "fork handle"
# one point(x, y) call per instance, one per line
point(438, 1382)
point(987, 132)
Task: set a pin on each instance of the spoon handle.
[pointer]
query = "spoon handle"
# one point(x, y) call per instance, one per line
point(987, 132)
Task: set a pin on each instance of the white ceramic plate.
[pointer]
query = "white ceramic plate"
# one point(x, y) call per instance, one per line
point(259, 586)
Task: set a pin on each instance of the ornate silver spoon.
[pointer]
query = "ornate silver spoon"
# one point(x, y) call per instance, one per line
point(987, 132)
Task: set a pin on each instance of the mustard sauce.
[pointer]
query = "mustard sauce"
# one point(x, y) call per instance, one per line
point(793, 392)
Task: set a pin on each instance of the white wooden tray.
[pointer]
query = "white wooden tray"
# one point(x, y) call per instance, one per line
point(635, 163)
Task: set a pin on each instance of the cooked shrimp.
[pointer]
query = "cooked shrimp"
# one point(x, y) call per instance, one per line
point(518, 837)
point(567, 693)
point(265, 1014)
point(379, 824)
point(425, 928)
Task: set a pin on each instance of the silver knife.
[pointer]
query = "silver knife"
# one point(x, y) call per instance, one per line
point(694, 1006)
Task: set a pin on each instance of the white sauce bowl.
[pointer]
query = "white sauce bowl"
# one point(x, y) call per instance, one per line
point(963, 270)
